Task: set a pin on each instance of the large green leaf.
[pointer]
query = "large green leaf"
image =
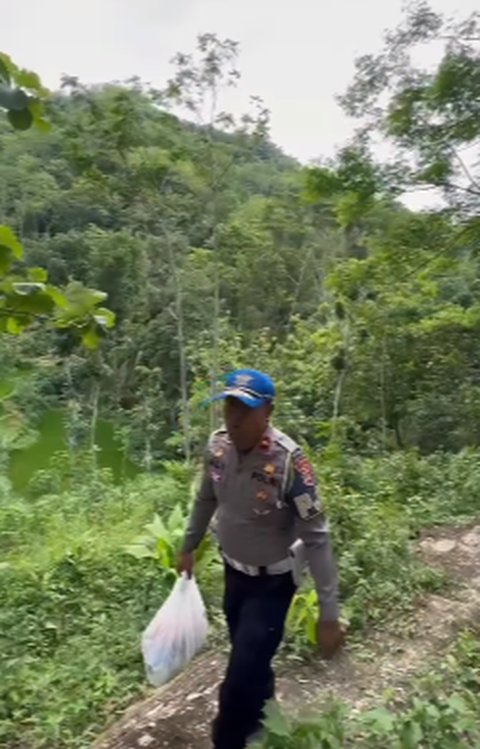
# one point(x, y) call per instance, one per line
point(13, 99)
point(30, 80)
point(38, 113)
point(9, 240)
point(38, 275)
point(28, 288)
point(20, 120)
point(139, 551)
point(31, 299)
point(90, 338)
point(42, 124)
point(157, 527)
point(380, 720)
point(14, 326)
point(275, 722)
point(104, 317)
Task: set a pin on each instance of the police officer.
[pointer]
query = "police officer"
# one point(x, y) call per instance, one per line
point(263, 491)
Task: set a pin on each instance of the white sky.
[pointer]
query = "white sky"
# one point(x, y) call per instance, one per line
point(296, 54)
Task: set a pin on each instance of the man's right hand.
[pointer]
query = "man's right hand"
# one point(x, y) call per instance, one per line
point(185, 563)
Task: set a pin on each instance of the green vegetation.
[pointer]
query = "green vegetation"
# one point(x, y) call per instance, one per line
point(214, 250)
point(432, 717)
point(24, 464)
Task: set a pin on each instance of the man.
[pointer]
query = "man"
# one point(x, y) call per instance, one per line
point(263, 491)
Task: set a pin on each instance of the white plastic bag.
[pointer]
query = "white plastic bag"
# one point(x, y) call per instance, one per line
point(176, 633)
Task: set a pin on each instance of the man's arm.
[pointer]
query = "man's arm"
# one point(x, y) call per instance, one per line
point(203, 509)
point(311, 527)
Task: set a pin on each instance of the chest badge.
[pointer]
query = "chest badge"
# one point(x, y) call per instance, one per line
point(269, 469)
point(265, 444)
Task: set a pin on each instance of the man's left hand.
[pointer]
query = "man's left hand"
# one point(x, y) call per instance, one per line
point(330, 637)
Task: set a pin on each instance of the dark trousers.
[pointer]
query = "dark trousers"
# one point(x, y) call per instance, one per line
point(255, 608)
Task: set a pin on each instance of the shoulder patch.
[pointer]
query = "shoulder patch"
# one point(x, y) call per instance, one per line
point(218, 439)
point(289, 445)
point(303, 466)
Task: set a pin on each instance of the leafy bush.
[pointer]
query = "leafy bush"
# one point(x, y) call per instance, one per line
point(377, 508)
point(73, 606)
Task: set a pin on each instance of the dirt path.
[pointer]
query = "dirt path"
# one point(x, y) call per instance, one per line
point(178, 716)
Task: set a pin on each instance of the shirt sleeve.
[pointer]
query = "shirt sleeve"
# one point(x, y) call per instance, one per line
point(311, 527)
point(203, 509)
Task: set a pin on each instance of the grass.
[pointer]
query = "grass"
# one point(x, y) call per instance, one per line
point(73, 605)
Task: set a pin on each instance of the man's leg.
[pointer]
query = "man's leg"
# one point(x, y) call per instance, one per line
point(233, 599)
point(249, 680)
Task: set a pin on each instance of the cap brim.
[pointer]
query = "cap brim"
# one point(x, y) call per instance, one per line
point(241, 395)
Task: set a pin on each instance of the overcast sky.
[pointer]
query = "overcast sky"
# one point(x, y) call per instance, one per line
point(296, 54)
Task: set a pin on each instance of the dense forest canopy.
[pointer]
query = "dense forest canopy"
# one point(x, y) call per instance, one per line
point(216, 250)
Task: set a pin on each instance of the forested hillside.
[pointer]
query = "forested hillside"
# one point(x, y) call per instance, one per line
point(216, 250)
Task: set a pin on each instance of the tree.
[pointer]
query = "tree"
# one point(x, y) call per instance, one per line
point(432, 117)
point(196, 86)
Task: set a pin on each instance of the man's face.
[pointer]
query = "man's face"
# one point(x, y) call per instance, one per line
point(245, 425)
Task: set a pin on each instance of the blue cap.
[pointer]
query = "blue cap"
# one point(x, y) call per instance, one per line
point(250, 386)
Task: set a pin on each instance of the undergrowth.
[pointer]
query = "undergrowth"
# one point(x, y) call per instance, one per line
point(83, 571)
point(440, 712)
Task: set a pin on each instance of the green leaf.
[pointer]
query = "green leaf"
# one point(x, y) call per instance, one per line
point(14, 326)
point(5, 258)
point(457, 704)
point(42, 124)
point(275, 722)
point(26, 288)
point(30, 298)
point(176, 520)
point(21, 120)
point(57, 296)
point(38, 113)
point(311, 630)
point(157, 527)
point(412, 735)
point(38, 275)
point(30, 80)
point(90, 338)
point(104, 317)
point(380, 720)
point(15, 99)
point(139, 551)
point(9, 240)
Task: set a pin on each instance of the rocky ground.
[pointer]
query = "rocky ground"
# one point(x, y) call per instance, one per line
point(178, 716)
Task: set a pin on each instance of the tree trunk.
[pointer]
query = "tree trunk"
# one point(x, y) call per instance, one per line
point(382, 394)
point(336, 400)
point(93, 428)
point(186, 430)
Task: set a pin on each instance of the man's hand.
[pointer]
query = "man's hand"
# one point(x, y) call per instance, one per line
point(185, 563)
point(330, 637)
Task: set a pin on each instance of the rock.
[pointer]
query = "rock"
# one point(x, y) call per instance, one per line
point(426, 543)
point(145, 740)
point(472, 538)
point(442, 546)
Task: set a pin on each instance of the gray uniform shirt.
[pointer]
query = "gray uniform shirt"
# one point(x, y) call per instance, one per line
point(265, 500)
